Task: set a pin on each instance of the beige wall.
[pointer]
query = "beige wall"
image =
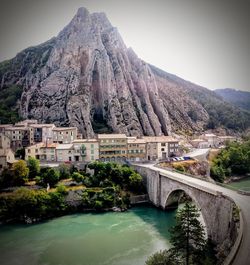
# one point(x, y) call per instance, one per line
point(4, 141)
point(92, 150)
point(112, 147)
point(33, 151)
point(65, 135)
point(136, 151)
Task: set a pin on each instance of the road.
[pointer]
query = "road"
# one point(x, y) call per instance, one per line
point(242, 201)
point(200, 154)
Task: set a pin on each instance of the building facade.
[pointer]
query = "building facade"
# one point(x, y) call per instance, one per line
point(86, 150)
point(7, 157)
point(112, 147)
point(161, 147)
point(137, 150)
point(64, 135)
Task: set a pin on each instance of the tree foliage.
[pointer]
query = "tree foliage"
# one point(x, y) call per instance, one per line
point(188, 236)
point(20, 172)
point(34, 167)
point(23, 204)
point(48, 176)
point(233, 160)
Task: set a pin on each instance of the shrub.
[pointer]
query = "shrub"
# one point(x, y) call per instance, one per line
point(77, 177)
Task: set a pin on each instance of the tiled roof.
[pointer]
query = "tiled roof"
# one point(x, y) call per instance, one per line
point(64, 146)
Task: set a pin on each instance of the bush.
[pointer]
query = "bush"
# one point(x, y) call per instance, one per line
point(64, 171)
point(163, 257)
point(62, 190)
point(77, 177)
point(34, 167)
point(24, 203)
point(179, 167)
point(20, 172)
point(49, 176)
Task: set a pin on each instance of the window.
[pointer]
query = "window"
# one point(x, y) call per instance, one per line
point(92, 146)
point(29, 151)
point(162, 149)
point(92, 158)
point(36, 150)
point(163, 144)
point(92, 152)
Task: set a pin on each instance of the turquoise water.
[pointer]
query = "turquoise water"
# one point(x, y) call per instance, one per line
point(243, 184)
point(88, 239)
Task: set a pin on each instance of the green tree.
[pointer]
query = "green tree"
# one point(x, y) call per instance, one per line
point(76, 176)
point(83, 151)
point(49, 176)
point(20, 153)
point(64, 171)
point(20, 172)
point(135, 181)
point(34, 167)
point(163, 257)
point(188, 236)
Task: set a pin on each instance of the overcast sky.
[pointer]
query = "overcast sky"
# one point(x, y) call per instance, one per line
point(204, 41)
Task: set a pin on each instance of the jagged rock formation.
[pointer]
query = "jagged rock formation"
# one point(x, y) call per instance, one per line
point(86, 77)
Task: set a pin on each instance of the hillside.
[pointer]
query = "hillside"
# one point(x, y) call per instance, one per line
point(239, 98)
point(87, 77)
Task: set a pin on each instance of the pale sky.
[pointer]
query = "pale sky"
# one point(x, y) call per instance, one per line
point(204, 41)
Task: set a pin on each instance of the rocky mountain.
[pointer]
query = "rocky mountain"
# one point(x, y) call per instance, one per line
point(87, 77)
point(239, 98)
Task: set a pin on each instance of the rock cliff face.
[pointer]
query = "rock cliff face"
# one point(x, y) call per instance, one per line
point(86, 77)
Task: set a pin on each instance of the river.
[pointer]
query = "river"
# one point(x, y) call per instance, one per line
point(88, 239)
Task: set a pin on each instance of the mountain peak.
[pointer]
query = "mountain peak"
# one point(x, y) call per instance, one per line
point(86, 77)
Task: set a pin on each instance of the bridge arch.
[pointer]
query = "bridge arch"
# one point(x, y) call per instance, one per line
point(216, 209)
point(174, 197)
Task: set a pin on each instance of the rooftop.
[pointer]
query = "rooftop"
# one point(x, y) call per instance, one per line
point(136, 141)
point(84, 141)
point(64, 128)
point(111, 136)
point(40, 125)
point(64, 146)
point(159, 139)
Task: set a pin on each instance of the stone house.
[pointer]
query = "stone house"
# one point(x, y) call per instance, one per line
point(161, 147)
point(91, 152)
point(136, 149)
point(7, 156)
point(64, 135)
point(112, 147)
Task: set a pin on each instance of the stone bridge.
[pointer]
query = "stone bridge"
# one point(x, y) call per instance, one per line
point(164, 190)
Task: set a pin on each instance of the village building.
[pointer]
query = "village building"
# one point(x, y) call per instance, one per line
point(161, 147)
point(200, 143)
point(64, 135)
point(137, 150)
point(112, 147)
point(43, 152)
point(7, 157)
point(86, 150)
